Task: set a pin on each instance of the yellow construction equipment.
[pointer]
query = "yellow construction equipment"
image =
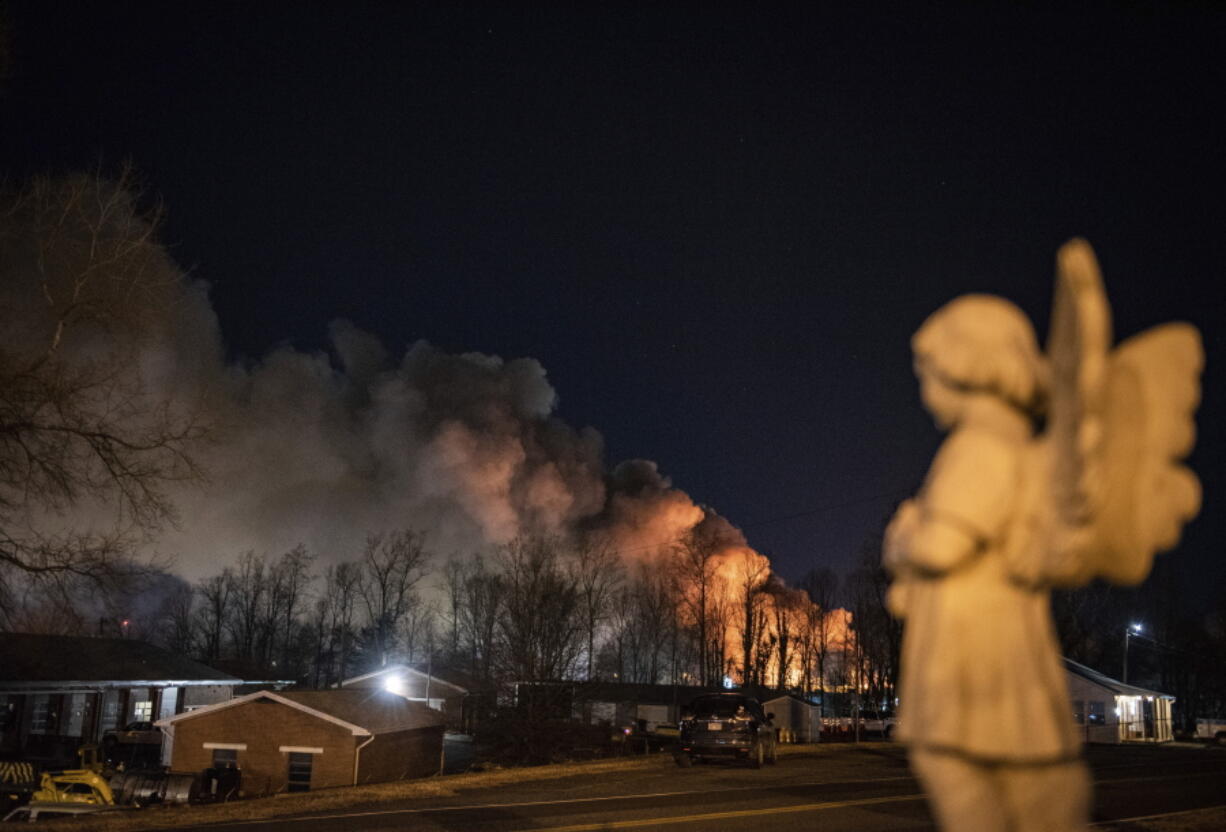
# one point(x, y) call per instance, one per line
point(74, 786)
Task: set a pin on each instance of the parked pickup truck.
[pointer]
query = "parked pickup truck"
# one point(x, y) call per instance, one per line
point(1211, 729)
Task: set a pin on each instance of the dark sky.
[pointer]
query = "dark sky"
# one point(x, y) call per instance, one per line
point(717, 230)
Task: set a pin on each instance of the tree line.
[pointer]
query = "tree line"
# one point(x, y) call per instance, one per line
point(537, 608)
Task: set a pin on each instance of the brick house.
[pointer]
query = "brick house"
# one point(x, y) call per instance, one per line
point(60, 692)
point(309, 739)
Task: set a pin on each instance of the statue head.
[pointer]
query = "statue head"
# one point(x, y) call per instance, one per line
point(978, 344)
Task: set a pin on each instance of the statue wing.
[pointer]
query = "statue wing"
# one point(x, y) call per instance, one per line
point(1147, 494)
point(1078, 348)
point(1119, 424)
point(1053, 531)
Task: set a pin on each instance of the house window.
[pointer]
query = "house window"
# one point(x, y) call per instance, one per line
point(140, 707)
point(8, 712)
point(1079, 711)
point(1096, 713)
point(43, 719)
point(225, 758)
point(299, 779)
point(110, 710)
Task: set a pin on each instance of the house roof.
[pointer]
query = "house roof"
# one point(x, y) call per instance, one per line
point(406, 670)
point(362, 711)
point(375, 710)
point(793, 696)
point(1113, 685)
point(30, 661)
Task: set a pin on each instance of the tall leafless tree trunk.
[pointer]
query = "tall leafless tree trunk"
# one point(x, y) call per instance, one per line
point(598, 574)
point(392, 565)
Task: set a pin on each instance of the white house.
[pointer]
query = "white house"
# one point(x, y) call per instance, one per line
point(1108, 711)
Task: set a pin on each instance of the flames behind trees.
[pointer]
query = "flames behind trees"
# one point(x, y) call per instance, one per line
point(434, 505)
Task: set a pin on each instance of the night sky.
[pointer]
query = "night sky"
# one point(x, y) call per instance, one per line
point(716, 230)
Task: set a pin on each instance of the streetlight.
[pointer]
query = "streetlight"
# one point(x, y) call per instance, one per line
point(1134, 629)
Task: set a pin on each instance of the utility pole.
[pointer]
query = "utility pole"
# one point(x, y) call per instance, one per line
point(1132, 629)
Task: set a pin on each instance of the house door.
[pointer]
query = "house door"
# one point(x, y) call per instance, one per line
point(1147, 711)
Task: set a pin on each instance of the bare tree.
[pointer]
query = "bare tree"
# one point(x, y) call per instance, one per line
point(643, 618)
point(334, 617)
point(419, 631)
point(598, 574)
point(452, 586)
point(392, 565)
point(213, 612)
point(821, 587)
point(181, 633)
point(752, 571)
point(292, 578)
point(787, 606)
point(541, 627)
point(247, 589)
point(481, 612)
point(700, 591)
point(84, 288)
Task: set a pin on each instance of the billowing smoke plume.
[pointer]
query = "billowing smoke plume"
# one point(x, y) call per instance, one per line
point(323, 448)
point(318, 448)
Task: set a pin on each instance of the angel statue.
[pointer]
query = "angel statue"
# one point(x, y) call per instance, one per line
point(1058, 469)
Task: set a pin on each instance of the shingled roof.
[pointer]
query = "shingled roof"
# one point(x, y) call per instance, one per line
point(1113, 685)
point(378, 711)
point(27, 659)
point(364, 711)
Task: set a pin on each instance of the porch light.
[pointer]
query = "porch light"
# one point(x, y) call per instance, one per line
point(394, 684)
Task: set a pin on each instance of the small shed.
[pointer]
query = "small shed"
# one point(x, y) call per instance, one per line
point(310, 739)
point(795, 719)
point(1107, 710)
point(417, 686)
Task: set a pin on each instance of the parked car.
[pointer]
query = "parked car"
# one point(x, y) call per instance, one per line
point(135, 733)
point(726, 725)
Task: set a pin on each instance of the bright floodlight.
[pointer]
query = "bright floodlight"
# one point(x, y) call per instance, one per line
point(394, 684)
point(1136, 628)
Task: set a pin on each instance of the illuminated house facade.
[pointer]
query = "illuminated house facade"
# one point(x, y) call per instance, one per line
point(1106, 710)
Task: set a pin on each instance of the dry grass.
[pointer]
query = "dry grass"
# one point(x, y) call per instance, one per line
point(334, 800)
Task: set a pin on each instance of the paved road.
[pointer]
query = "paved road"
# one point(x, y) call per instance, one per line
point(865, 788)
